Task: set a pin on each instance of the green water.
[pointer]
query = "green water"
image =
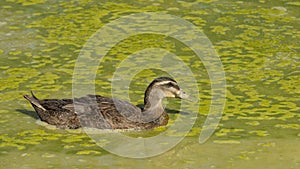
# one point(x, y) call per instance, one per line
point(257, 42)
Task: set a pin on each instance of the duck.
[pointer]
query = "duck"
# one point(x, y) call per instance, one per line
point(96, 111)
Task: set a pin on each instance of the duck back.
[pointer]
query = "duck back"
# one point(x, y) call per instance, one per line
point(92, 111)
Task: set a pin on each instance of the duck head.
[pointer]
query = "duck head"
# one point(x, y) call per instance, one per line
point(160, 88)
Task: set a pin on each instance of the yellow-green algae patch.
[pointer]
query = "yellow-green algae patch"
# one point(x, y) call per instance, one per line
point(225, 132)
point(294, 3)
point(71, 139)
point(243, 156)
point(48, 155)
point(28, 2)
point(10, 142)
point(28, 137)
point(261, 133)
point(227, 141)
point(88, 152)
point(220, 29)
point(88, 144)
point(288, 126)
point(194, 131)
point(253, 123)
point(267, 144)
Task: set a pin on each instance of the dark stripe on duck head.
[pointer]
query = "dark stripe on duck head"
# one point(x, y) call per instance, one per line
point(160, 81)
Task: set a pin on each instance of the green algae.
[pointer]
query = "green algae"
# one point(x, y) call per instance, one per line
point(88, 152)
point(73, 139)
point(226, 141)
point(294, 3)
point(288, 126)
point(28, 138)
point(219, 30)
point(28, 2)
point(224, 132)
point(253, 123)
point(257, 43)
point(260, 133)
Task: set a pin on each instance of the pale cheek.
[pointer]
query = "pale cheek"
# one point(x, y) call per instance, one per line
point(170, 95)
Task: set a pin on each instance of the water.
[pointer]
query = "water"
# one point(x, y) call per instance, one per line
point(258, 44)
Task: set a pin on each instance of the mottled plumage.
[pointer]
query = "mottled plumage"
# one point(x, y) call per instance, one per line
point(95, 111)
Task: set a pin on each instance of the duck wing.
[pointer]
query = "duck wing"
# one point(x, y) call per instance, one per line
point(96, 111)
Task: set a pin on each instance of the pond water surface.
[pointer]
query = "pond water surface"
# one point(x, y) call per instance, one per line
point(257, 42)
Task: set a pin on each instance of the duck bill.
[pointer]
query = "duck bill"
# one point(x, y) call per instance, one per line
point(183, 95)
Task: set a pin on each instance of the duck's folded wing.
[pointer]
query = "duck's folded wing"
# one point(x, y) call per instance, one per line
point(89, 115)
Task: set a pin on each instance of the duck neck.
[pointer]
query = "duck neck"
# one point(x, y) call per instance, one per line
point(153, 109)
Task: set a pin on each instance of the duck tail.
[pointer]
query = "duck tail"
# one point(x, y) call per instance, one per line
point(34, 101)
point(33, 95)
